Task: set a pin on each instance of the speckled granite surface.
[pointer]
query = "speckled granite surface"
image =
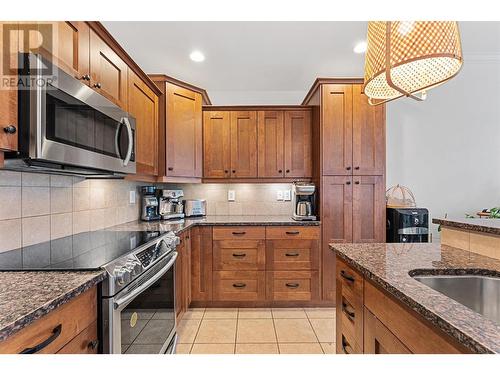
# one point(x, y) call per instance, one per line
point(390, 266)
point(179, 226)
point(491, 226)
point(28, 296)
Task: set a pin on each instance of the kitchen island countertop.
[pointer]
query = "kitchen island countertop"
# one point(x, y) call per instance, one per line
point(391, 267)
point(490, 226)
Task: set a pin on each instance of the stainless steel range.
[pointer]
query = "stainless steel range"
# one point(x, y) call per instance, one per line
point(137, 299)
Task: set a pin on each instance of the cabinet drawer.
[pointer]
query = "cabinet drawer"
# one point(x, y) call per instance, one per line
point(292, 255)
point(239, 286)
point(292, 285)
point(239, 255)
point(350, 280)
point(65, 322)
point(346, 345)
point(85, 343)
point(292, 232)
point(350, 319)
point(239, 232)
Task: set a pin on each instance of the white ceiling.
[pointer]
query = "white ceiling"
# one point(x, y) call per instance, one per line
point(264, 56)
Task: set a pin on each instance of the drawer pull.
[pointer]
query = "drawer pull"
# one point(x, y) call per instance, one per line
point(345, 309)
point(239, 233)
point(239, 255)
point(55, 334)
point(239, 285)
point(345, 346)
point(293, 232)
point(93, 344)
point(292, 254)
point(347, 276)
point(292, 285)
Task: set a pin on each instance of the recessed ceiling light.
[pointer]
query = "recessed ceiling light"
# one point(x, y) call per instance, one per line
point(360, 47)
point(197, 56)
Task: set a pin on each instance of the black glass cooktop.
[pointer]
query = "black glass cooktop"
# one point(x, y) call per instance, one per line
point(82, 251)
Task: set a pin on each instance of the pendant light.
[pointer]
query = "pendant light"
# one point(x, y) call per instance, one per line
point(406, 58)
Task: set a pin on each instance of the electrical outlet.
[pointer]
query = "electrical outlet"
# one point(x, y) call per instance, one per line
point(231, 196)
point(287, 195)
point(279, 195)
point(131, 198)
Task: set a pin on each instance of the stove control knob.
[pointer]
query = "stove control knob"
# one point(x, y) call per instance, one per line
point(134, 266)
point(122, 275)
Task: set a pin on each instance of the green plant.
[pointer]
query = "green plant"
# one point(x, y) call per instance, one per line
point(495, 212)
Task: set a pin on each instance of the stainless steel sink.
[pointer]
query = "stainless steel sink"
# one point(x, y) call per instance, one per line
point(479, 293)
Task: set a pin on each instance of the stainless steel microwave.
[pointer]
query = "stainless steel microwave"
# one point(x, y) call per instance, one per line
point(65, 127)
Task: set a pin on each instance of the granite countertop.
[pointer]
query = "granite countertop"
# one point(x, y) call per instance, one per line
point(491, 226)
point(390, 265)
point(26, 296)
point(180, 225)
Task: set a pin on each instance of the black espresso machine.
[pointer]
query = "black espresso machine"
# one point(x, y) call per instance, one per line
point(407, 225)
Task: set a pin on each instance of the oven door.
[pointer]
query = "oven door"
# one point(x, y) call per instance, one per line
point(76, 126)
point(143, 314)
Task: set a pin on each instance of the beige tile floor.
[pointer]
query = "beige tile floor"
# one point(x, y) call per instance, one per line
point(257, 331)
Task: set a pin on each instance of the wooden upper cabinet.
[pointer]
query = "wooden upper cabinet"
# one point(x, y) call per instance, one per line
point(243, 144)
point(337, 224)
point(216, 144)
point(298, 130)
point(8, 95)
point(108, 71)
point(69, 48)
point(143, 105)
point(368, 212)
point(183, 132)
point(271, 136)
point(336, 129)
point(368, 135)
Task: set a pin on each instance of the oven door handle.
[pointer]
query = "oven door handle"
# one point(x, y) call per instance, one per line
point(130, 141)
point(134, 293)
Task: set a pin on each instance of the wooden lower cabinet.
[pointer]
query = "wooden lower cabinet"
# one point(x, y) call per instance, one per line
point(371, 321)
point(201, 264)
point(292, 285)
point(183, 275)
point(72, 327)
point(239, 255)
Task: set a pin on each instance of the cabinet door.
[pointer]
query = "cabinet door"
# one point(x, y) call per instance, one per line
point(368, 209)
point(337, 129)
point(378, 339)
point(201, 264)
point(368, 135)
point(336, 198)
point(216, 144)
point(69, 47)
point(298, 129)
point(143, 105)
point(186, 272)
point(184, 128)
point(271, 136)
point(108, 71)
point(243, 144)
point(8, 92)
point(178, 282)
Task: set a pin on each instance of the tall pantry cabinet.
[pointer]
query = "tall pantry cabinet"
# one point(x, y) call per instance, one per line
point(349, 168)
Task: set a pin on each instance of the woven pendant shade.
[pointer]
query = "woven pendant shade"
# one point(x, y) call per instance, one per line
point(405, 58)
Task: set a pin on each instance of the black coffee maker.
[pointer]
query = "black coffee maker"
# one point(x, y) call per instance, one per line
point(407, 225)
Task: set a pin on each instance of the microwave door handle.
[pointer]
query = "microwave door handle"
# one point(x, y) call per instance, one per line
point(130, 141)
point(134, 293)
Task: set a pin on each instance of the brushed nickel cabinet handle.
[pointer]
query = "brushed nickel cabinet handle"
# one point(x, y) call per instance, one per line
point(97, 85)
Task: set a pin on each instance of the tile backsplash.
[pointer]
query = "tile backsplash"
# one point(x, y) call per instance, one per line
point(39, 207)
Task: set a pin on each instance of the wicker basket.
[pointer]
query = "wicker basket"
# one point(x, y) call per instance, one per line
point(400, 197)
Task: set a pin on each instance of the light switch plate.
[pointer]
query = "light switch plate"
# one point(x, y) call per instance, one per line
point(279, 195)
point(131, 198)
point(231, 195)
point(287, 195)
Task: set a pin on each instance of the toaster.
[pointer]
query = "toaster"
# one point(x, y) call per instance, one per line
point(195, 207)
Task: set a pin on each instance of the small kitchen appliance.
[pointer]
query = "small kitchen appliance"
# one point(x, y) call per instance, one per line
point(407, 225)
point(171, 206)
point(195, 207)
point(149, 204)
point(304, 197)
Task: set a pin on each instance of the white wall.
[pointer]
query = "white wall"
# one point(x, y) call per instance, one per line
point(447, 149)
